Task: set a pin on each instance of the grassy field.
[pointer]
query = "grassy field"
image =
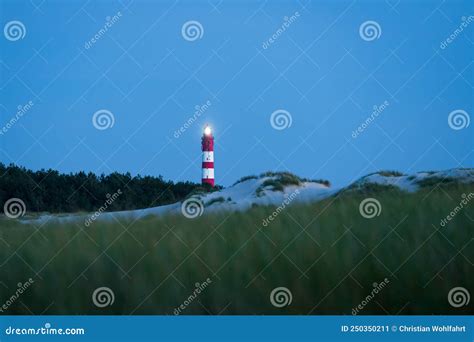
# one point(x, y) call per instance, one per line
point(326, 254)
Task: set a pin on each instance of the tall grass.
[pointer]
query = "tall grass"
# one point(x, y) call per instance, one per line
point(325, 253)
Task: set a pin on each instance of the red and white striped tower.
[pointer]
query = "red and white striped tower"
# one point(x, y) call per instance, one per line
point(208, 157)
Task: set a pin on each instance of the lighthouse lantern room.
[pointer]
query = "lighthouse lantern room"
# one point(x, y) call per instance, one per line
point(208, 157)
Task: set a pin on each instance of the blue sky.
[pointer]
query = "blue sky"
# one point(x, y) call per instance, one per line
point(319, 69)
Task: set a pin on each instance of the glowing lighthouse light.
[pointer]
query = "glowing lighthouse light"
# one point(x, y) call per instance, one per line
point(208, 157)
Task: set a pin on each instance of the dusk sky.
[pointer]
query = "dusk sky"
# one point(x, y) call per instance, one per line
point(322, 70)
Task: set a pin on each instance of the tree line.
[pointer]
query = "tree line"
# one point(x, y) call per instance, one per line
point(51, 191)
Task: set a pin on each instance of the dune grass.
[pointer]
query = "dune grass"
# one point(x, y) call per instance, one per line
point(387, 173)
point(278, 182)
point(325, 253)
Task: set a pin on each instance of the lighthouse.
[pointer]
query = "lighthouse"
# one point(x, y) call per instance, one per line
point(207, 157)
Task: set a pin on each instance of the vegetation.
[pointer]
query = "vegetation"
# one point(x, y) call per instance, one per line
point(50, 191)
point(437, 181)
point(279, 180)
point(371, 189)
point(215, 200)
point(203, 189)
point(329, 260)
point(269, 184)
point(386, 173)
point(246, 178)
point(282, 179)
point(390, 173)
point(320, 181)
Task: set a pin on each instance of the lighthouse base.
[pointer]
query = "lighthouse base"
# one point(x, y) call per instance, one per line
point(208, 181)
